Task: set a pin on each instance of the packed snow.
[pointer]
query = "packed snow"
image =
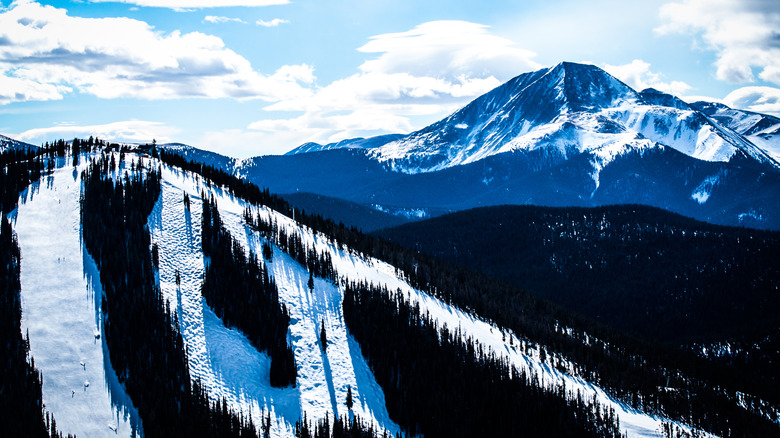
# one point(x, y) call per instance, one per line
point(61, 295)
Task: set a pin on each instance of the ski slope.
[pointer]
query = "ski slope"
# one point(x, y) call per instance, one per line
point(323, 378)
point(60, 286)
point(61, 311)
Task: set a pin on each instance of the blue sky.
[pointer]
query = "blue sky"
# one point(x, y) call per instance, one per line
point(255, 77)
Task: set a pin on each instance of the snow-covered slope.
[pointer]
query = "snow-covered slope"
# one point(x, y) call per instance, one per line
point(761, 129)
point(60, 285)
point(582, 104)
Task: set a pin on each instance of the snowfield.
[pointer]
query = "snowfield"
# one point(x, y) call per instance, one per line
point(60, 286)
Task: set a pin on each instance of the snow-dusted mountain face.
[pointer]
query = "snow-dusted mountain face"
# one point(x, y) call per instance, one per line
point(761, 129)
point(352, 143)
point(7, 143)
point(573, 108)
point(570, 135)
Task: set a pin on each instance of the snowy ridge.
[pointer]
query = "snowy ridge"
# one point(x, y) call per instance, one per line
point(7, 143)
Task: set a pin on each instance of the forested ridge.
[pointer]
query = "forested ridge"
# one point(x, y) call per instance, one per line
point(640, 269)
point(241, 293)
point(651, 377)
point(437, 384)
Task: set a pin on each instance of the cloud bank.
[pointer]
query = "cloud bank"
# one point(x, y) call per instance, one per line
point(45, 53)
point(745, 34)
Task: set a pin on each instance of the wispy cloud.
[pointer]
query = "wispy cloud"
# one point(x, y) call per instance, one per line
point(45, 52)
point(759, 99)
point(219, 20)
point(273, 23)
point(638, 76)
point(190, 4)
point(743, 33)
point(125, 131)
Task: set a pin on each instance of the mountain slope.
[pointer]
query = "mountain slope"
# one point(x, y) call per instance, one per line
point(7, 143)
point(352, 143)
point(227, 364)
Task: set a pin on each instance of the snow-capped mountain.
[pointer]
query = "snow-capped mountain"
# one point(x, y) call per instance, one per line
point(573, 108)
point(352, 143)
point(569, 135)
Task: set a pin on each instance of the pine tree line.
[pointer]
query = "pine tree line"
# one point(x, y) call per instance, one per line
point(18, 168)
point(319, 264)
point(241, 293)
point(342, 427)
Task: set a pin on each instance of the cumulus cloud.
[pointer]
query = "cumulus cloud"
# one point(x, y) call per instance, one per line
point(219, 20)
point(45, 53)
point(273, 23)
point(448, 49)
point(745, 34)
point(130, 131)
point(759, 99)
point(185, 4)
point(638, 76)
point(428, 71)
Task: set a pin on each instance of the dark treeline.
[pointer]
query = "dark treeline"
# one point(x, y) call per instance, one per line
point(143, 338)
point(18, 168)
point(241, 293)
point(437, 384)
point(21, 407)
point(291, 241)
point(343, 427)
point(639, 269)
point(648, 376)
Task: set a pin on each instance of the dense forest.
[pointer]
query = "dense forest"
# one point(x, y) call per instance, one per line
point(437, 384)
point(639, 269)
point(651, 377)
point(241, 293)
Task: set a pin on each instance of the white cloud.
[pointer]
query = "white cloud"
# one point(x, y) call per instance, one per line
point(448, 49)
point(759, 99)
point(131, 131)
point(183, 4)
point(745, 34)
point(219, 20)
point(638, 76)
point(44, 52)
point(273, 23)
point(427, 72)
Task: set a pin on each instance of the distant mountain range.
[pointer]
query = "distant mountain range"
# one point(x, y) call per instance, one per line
point(570, 135)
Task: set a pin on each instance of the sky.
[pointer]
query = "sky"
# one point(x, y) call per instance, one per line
point(258, 77)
